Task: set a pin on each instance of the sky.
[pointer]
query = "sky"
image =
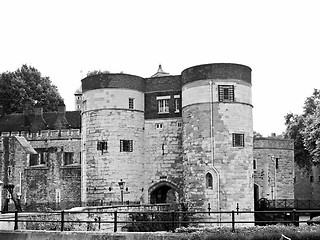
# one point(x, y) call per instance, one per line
point(64, 39)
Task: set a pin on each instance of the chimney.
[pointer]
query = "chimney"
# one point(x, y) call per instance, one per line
point(273, 135)
point(61, 121)
point(38, 123)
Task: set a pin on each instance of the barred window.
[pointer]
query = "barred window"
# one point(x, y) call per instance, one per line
point(226, 93)
point(131, 103)
point(126, 145)
point(237, 140)
point(102, 145)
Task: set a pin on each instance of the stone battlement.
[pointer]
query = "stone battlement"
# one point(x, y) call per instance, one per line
point(45, 134)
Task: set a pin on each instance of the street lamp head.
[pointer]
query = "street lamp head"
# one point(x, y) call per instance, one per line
point(121, 184)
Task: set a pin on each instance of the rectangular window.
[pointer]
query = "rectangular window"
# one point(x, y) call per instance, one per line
point(176, 103)
point(131, 103)
point(126, 145)
point(159, 125)
point(237, 140)
point(277, 163)
point(226, 93)
point(254, 164)
point(311, 178)
point(163, 104)
point(68, 158)
point(38, 159)
point(102, 145)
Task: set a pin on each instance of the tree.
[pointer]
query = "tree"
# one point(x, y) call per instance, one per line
point(96, 72)
point(26, 85)
point(257, 134)
point(305, 130)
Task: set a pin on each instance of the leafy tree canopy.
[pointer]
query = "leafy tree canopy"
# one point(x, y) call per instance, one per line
point(305, 130)
point(96, 72)
point(27, 86)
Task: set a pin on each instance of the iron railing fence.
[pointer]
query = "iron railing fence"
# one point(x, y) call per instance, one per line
point(294, 204)
point(95, 221)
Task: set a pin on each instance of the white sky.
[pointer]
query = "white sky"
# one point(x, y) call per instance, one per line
point(279, 40)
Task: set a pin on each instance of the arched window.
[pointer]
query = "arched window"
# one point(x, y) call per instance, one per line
point(209, 180)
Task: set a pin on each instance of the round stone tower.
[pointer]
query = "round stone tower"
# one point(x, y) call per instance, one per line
point(218, 137)
point(112, 137)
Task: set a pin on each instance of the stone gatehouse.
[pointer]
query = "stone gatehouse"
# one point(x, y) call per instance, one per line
point(182, 138)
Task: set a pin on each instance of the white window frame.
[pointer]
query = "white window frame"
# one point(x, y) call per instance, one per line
point(163, 104)
point(159, 125)
point(176, 103)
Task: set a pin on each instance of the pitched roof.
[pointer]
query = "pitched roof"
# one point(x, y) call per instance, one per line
point(20, 122)
point(160, 73)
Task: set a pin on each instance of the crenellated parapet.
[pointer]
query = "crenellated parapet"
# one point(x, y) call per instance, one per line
point(46, 134)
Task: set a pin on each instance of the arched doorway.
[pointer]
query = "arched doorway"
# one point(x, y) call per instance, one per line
point(164, 192)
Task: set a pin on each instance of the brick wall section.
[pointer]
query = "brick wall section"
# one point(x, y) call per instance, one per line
point(151, 109)
point(266, 151)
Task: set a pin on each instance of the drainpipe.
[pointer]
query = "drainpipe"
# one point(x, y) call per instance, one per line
point(212, 148)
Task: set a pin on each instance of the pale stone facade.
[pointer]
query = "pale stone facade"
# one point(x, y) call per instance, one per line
point(191, 143)
point(274, 168)
point(184, 138)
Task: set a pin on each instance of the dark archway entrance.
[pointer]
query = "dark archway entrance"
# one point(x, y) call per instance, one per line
point(163, 192)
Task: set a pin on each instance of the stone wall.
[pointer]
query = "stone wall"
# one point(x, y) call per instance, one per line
point(51, 183)
point(307, 182)
point(274, 174)
point(40, 235)
point(163, 154)
point(213, 151)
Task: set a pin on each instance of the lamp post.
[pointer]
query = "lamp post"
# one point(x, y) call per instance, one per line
point(121, 185)
point(274, 192)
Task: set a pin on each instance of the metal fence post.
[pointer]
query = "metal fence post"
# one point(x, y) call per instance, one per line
point(233, 230)
point(115, 222)
point(16, 220)
point(62, 220)
point(172, 218)
point(294, 216)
